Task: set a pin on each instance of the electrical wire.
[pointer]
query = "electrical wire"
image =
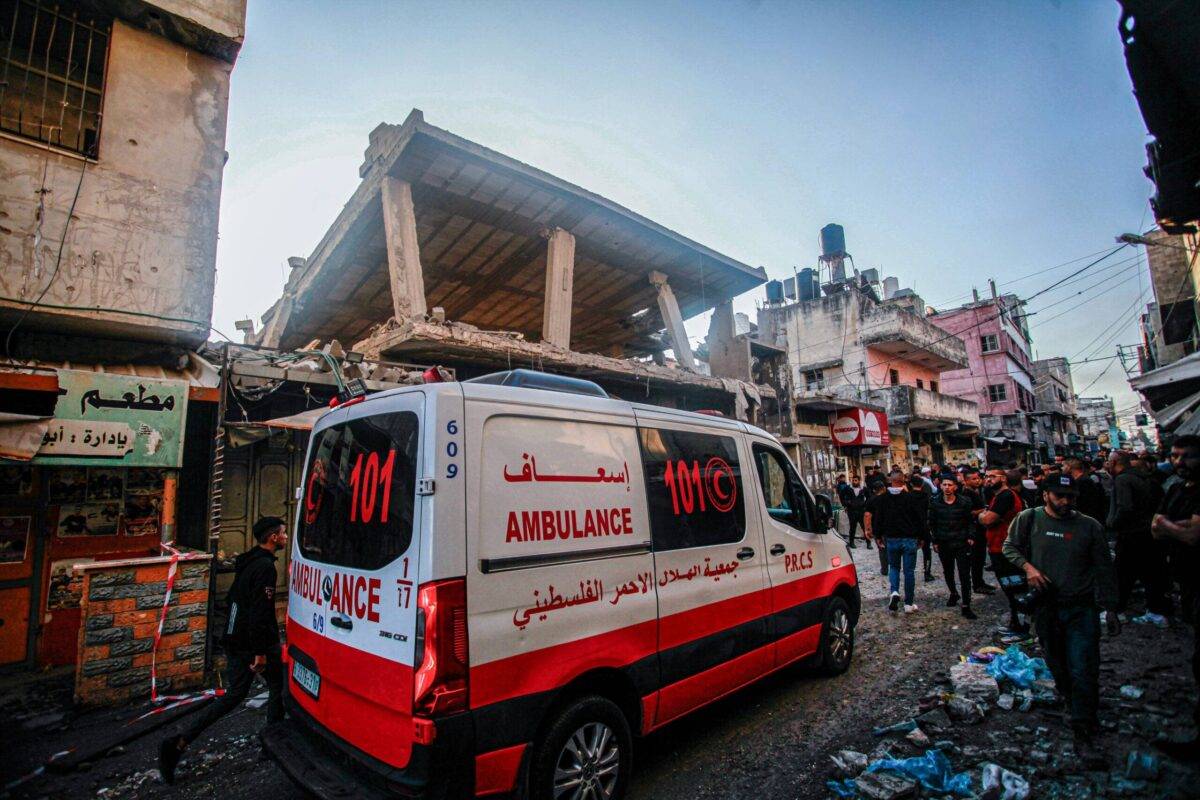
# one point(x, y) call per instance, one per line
point(57, 261)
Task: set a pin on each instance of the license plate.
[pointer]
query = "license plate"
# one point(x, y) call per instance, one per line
point(306, 679)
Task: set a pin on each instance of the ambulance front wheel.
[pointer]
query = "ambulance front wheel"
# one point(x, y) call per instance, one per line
point(585, 754)
point(837, 638)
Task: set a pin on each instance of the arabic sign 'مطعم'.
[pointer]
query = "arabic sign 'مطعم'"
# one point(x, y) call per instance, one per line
point(123, 420)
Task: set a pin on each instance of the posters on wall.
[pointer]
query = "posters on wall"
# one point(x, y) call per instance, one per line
point(14, 539)
point(16, 481)
point(102, 501)
point(66, 588)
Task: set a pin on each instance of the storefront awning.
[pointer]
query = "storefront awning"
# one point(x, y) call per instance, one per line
point(21, 435)
point(244, 433)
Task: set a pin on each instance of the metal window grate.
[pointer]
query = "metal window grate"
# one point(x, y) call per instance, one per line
point(52, 62)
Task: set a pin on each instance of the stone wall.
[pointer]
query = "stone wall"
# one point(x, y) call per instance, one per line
point(120, 609)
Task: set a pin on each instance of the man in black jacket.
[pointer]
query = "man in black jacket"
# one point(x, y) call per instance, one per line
point(251, 641)
point(1139, 557)
point(1093, 501)
point(853, 497)
point(952, 528)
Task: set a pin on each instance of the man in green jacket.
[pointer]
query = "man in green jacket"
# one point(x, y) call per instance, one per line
point(1065, 557)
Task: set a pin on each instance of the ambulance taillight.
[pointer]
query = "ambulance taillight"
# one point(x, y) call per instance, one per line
point(440, 682)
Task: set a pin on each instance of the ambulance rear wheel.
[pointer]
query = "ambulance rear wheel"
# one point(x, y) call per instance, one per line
point(837, 638)
point(585, 754)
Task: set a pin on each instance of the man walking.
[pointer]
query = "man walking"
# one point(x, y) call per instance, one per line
point(1130, 512)
point(1093, 501)
point(1006, 503)
point(981, 493)
point(1178, 523)
point(1065, 557)
point(894, 517)
point(251, 641)
point(853, 497)
point(919, 485)
point(951, 527)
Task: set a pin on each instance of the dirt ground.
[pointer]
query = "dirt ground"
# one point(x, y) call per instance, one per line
point(770, 740)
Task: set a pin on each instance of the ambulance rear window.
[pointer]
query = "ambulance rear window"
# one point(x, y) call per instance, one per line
point(359, 490)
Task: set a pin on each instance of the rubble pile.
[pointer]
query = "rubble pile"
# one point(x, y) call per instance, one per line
point(993, 728)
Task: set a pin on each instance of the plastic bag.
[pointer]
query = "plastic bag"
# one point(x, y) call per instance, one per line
point(843, 788)
point(932, 771)
point(1011, 785)
point(1018, 668)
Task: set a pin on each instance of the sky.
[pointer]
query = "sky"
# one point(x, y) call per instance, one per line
point(955, 142)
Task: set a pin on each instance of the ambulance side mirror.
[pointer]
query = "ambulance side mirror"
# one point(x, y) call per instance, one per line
point(824, 512)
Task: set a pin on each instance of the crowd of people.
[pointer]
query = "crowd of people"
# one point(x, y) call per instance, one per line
point(1067, 543)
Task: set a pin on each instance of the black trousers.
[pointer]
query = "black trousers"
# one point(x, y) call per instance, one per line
point(927, 550)
point(238, 680)
point(1141, 558)
point(954, 556)
point(1070, 637)
point(855, 519)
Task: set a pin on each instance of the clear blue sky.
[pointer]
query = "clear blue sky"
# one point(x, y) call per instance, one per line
point(954, 141)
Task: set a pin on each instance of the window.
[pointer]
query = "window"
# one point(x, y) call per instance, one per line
point(693, 489)
point(53, 60)
point(894, 377)
point(997, 393)
point(786, 499)
point(933, 386)
point(989, 343)
point(814, 379)
point(359, 491)
point(920, 383)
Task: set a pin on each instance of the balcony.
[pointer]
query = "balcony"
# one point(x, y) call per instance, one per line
point(921, 409)
point(901, 333)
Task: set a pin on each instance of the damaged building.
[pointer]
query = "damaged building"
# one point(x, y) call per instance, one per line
point(451, 253)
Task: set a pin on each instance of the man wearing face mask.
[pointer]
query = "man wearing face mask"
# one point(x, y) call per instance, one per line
point(1065, 557)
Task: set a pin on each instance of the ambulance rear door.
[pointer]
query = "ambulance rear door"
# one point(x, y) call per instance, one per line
point(352, 590)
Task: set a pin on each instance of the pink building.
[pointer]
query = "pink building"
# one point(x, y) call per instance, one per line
point(999, 376)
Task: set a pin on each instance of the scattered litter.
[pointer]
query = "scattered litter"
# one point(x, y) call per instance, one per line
point(918, 738)
point(843, 788)
point(882, 786)
point(974, 681)
point(258, 701)
point(900, 727)
point(1131, 692)
point(850, 762)
point(1003, 784)
point(1017, 668)
point(963, 709)
point(1006, 701)
point(1141, 766)
point(932, 771)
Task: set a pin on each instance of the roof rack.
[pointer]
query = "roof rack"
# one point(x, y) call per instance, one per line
point(532, 379)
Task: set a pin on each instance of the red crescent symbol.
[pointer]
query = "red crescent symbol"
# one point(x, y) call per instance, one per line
point(716, 469)
point(312, 509)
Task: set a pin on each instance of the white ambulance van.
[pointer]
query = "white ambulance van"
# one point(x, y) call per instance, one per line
point(496, 584)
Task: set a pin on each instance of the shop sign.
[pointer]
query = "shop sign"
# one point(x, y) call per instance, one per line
point(858, 426)
point(115, 420)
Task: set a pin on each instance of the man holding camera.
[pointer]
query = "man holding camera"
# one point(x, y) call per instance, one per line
point(1069, 569)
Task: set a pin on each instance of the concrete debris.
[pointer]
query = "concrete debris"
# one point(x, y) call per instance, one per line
point(918, 738)
point(965, 710)
point(850, 762)
point(1002, 784)
point(1006, 701)
point(882, 786)
point(935, 720)
point(1141, 766)
point(973, 681)
point(1131, 692)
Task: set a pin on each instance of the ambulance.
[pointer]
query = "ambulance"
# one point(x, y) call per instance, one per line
point(496, 584)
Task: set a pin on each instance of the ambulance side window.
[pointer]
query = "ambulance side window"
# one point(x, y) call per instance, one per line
point(786, 499)
point(693, 488)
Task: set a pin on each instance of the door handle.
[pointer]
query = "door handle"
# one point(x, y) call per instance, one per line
point(342, 622)
point(777, 549)
point(745, 552)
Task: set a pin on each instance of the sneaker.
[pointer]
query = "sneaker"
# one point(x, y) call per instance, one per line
point(852, 546)
point(968, 613)
point(894, 603)
point(169, 753)
point(910, 609)
point(984, 588)
point(1157, 620)
point(953, 601)
point(929, 577)
point(883, 571)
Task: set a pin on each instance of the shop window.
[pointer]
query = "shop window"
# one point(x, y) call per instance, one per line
point(53, 61)
point(997, 393)
point(814, 380)
point(989, 343)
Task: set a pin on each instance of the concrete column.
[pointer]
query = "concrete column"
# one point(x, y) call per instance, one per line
point(669, 308)
point(403, 253)
point(560, 288)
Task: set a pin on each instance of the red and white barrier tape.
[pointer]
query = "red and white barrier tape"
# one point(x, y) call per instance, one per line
point(172, 574)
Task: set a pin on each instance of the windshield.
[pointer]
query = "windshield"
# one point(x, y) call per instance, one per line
point(359, 492)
